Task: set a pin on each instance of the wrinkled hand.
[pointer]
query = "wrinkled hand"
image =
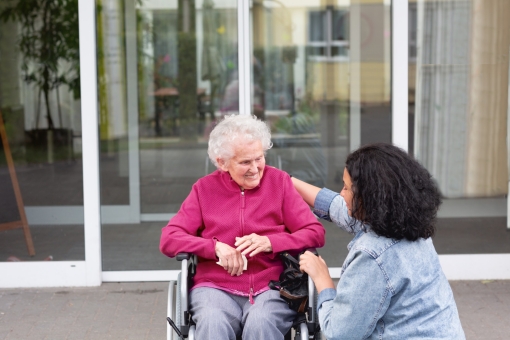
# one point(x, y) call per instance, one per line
point(253, 244)
point(231, 259)
point(317, 269)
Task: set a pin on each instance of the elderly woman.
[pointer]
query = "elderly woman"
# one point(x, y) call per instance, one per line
point(248, 212)
point(391, 285)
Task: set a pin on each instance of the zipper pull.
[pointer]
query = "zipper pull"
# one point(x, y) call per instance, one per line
point(251, 296)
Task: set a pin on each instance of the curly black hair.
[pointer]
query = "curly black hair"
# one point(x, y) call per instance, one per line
point(392, 193)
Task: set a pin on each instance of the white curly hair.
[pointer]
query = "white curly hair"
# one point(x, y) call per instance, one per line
point(233, 130)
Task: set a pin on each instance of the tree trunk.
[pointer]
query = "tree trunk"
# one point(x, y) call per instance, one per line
point(48, 112)
point(188, 104)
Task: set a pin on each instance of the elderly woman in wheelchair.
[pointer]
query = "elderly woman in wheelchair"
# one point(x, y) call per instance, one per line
point(236, 220)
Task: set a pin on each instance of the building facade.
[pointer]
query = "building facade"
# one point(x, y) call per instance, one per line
point(107, 105)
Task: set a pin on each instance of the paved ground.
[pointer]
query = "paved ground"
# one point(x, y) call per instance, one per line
point(137, 311)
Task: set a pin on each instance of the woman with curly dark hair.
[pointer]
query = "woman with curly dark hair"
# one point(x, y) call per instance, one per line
point(391, 284)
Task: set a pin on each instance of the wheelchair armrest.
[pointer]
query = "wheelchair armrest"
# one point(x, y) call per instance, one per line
point(183, 256)
point(189, 263)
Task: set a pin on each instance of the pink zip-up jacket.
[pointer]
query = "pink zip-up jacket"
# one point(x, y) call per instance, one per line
point(217, 209)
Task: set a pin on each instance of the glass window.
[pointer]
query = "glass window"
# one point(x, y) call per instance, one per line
point(317, 26)
point(321, 80)
point(459, 110)
point(340, 25)
point(41, 179)
point(167, 70)
point(328, 34)
point(412, 27)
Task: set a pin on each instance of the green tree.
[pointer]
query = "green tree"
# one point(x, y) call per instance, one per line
point(48, 40)
point(187, 79)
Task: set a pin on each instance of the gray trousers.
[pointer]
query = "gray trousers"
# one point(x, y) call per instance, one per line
point(221, 315)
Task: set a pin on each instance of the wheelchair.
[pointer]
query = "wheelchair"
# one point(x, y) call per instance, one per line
point(305, 326)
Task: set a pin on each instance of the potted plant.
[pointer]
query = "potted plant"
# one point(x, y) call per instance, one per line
point(49, 45)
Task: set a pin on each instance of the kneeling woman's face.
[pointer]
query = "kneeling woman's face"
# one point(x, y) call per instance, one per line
point(247, 166)
point(346, 192)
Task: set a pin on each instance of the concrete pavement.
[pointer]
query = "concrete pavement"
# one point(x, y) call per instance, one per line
point(135, 311)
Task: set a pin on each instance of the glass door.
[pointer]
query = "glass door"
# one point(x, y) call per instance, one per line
point(165, 75)
point(459, 112)
point(42, 235)
point(321, 78)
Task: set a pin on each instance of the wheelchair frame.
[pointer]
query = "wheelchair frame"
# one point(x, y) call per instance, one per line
point(305, 327)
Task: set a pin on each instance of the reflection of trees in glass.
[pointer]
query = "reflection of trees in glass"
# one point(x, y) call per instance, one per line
point(187, 78)
point(277, 78)
point(212, 67)
point(48, 40)
point(101, 74)
point(142, 25)
point(297, 142)
point(224, 39)
point(304, 121)
point(164, 41)
point(145, 58)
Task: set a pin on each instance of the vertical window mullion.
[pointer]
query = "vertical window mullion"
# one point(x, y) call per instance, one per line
point(90, 138)
point(399, 74)
point(329, 31)
point(244, 56)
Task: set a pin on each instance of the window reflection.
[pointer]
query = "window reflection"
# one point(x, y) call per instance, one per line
point(189, 66)
point(329, 34)
point(321, 80)
point(167, 72)
point(40, 109)
point(191, 70)
point(461, 107)
point(459, 66)
point(317, 95)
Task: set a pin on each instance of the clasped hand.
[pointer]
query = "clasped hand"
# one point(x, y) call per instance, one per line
point(249, 245)
point(317, 269)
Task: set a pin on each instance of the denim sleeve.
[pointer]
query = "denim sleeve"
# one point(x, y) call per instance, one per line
point(326, 295)
point(323, 202)
point(330, 206)
point(362, 298)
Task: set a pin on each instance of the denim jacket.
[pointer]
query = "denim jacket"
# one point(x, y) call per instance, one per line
point(388, 289)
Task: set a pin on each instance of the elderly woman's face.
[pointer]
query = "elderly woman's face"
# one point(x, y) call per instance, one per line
point(247, 166)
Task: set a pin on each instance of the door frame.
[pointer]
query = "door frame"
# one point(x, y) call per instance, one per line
point(89, 272)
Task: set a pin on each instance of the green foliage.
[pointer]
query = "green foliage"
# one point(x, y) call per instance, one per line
point(187, 74)
point(49, 37)
point(187, 78)
point(305, 120)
